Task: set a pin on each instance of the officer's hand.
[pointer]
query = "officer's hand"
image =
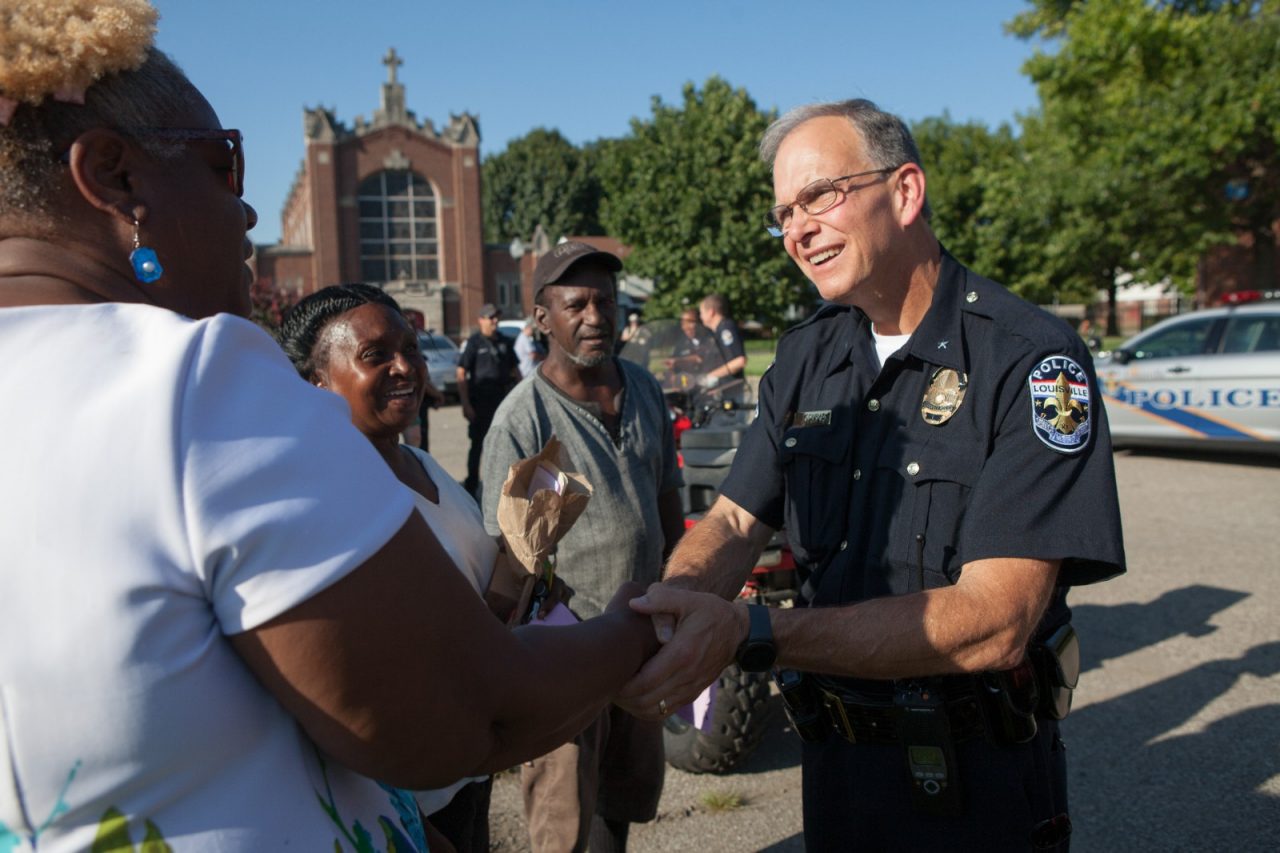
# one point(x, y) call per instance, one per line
point(468, 412)
point(436, 395)
point(708, 630)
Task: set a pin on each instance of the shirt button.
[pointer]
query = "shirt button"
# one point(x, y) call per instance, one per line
point(857, 473)
point(790, 442)
point(873, 405)
point(971, 296)
point(913, 468)
point(844, 544)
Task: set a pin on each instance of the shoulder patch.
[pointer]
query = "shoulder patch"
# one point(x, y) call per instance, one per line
point(726, 337)
point(1060, 404)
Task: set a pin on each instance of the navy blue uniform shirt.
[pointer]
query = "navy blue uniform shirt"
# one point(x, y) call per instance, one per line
point(729, 341)
point(878, 500)
point(489, 363)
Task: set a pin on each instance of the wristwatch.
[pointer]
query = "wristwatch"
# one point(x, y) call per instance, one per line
point(757, 652)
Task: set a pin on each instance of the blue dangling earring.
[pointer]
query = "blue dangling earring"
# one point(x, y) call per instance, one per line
point(146, 266)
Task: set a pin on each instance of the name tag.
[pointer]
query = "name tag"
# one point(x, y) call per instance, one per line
point(811, 419)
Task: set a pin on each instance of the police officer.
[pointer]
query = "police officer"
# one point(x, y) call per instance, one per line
point(487, 370)
point(713, 311)
point(936, 450)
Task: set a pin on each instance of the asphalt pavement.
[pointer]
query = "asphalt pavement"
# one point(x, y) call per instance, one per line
point(1173, 738)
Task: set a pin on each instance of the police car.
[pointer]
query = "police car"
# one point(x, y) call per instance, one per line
point(1207, 379)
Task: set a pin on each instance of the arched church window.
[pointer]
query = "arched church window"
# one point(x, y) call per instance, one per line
point(399, 238)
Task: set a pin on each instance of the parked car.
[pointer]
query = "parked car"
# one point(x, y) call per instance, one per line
point(442, 361)
point(511, 328)
point(1206, 379)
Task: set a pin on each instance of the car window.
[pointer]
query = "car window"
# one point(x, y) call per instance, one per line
point(1180, 339)
point(435, 342)
point(1252, 333)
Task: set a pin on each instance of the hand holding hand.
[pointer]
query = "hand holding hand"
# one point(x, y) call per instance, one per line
point(706, 636)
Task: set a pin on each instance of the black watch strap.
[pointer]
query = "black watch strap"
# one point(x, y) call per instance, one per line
point(757, 652)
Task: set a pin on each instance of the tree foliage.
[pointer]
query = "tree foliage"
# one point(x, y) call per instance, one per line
point(269, 304)
point(960, 162)
point(1160, 123)
point(540, 178)
point(687, 191)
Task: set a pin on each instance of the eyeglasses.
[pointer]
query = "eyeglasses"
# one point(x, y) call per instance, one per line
point(233, 139)
point(818, 197)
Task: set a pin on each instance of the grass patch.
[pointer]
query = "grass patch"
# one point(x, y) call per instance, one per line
point(722, 801)
point(759, 355)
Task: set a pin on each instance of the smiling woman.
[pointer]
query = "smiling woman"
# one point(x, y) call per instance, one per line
point(353, 340)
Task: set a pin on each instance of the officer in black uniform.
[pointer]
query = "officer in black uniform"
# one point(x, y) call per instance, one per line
point(693, 351)
point(487, 370)
point(938, 454)
point(713, 311)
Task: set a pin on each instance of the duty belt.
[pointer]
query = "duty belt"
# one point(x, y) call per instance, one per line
point(863, 719)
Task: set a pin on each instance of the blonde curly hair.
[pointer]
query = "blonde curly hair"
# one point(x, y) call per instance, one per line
point(67, 66)
point(61, 47)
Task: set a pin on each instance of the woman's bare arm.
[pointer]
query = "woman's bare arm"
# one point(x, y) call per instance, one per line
point(399, 672)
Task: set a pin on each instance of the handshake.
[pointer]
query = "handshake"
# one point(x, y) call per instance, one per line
point(698, 635)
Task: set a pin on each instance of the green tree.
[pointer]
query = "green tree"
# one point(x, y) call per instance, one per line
point(1165, 120)
point(540, 178)
point(687, 191)
point(961, 161)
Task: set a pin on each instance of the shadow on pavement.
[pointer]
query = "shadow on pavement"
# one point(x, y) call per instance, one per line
point(1108, 632)
point(1197, 790)
point(1132, 774)
point(779, 747)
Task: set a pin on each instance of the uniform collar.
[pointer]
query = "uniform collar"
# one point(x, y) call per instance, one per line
point(938, 339)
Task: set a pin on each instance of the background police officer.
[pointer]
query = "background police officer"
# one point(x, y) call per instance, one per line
point(934, 448)
point(487, 370)
point(713, 311)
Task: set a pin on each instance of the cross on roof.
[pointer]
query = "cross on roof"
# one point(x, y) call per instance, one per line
point(392, 61)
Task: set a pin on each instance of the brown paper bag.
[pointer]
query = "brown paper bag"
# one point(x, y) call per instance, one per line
point(541, 499)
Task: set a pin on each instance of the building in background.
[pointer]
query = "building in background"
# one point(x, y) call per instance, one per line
point(392, 202)
point(395, 203)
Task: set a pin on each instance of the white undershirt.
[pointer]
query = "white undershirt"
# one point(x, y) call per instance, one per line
point(887, 345)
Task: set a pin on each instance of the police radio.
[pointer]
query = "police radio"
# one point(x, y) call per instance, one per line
point(925, 730)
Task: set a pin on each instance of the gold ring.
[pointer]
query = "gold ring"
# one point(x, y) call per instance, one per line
point(662, 707)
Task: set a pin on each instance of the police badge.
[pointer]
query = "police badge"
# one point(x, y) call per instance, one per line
point(1060, 403)
point(943, 396)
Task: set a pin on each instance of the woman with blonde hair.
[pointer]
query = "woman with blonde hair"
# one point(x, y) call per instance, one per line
point(223, 617)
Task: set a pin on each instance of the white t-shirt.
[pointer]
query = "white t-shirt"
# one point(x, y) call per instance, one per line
point(458, 523)
point(887, 345)
point(165, 483)
point(459, 526)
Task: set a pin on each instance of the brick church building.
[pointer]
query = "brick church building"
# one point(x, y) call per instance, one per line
point(395, 202)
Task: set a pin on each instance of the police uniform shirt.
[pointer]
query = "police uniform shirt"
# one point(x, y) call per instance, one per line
point(698, 345)
point(887, 484)
point(729, 340)
point(489, 363)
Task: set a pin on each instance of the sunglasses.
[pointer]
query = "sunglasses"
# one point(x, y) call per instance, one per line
point(233, 139)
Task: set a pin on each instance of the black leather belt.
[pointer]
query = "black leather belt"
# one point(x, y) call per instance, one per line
point(861, 719)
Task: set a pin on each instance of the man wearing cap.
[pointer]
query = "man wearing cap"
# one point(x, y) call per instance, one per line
point(487, 369)
point(611, 417)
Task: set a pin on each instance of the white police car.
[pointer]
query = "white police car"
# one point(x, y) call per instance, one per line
point(1207, 379)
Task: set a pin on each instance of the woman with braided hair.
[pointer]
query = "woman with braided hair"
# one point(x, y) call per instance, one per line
point(223, 618)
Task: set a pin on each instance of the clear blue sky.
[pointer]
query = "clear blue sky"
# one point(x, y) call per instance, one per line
point(586, 68)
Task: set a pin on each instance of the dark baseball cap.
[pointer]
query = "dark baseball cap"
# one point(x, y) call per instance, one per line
point(489, 311)
point(554, 264)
